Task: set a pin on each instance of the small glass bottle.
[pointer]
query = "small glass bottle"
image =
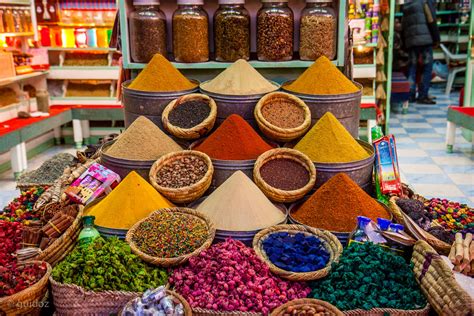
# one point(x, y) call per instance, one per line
point(275, 31)
point(318, 30)
point(190, 32)
point(359, 233)
point(147, 30)
point(232, 31)
point(88, 233)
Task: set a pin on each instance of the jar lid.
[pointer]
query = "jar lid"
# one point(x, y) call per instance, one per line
point(191, 2)
point(146, 2)
point(231, 1)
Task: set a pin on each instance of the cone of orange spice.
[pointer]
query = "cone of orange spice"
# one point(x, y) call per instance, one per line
point(336, 205)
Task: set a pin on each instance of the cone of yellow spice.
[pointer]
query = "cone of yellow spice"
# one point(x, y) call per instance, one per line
point(322, 78)
point(159, 75)
point(329, 142)
point(132, 200)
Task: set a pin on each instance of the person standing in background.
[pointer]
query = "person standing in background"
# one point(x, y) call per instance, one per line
point(421, 34)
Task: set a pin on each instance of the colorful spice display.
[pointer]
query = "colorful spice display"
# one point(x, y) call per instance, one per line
point(132, 200)
point(14, 279)
point(154, 302)
point(239, 79)
point(170, 234)
point(189, 113)
point(336, 205)
point(159, 75)
point(142, 140)
point(234, 139)
point(236, 201)
point(10, 239)
point(285, 174)
point(283, 112)
point(182, 172)
point(50, 170)
point(367, 276)
point(114, 268)
point(21, 208)
point(297, 253)
point(322, 78)
point(453, 216)
point(328, 141)
point(230, 277)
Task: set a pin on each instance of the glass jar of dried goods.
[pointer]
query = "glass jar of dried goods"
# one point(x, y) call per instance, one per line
point(318, 30)
point(275, 31)
point(232, 31)
point(8, 21)
point(190, 32)
point(147, 31)
point(17, 20)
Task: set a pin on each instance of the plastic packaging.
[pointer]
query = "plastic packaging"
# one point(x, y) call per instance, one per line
point(190, 32)
point(147, 31)
point(275, 31)
point(232, 31)
point(384, 223)
point(359, 234)
point(318, 30)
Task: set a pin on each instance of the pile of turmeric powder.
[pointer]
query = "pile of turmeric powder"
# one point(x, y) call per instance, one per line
point(161, 76)
point(329, 142)
point(322, 78)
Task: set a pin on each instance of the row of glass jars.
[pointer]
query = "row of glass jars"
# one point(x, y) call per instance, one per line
point(15, 20)
point(275, 27)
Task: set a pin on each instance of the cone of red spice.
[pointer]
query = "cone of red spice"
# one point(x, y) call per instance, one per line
point(336, 205)
point(235, 139)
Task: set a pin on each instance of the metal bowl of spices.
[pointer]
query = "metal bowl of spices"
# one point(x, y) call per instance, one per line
point(149, 104)
point(345, 107)
point(182, 176)
point(284, 175)
point(282, 116)
point(190, 116)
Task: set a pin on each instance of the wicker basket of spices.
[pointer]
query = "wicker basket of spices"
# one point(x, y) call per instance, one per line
point(416, 231)
point(281, 195)
point(64, 244)
point(310, 306)
point(71, 297)
point(425, 311)
point(192, 230)
point(176, 297)
point(331, 243)
point(194, 132)
point(166, 179)
point(282, 116)
point(28, 301)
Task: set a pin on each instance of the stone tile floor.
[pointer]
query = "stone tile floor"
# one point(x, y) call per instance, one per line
point(424, 162)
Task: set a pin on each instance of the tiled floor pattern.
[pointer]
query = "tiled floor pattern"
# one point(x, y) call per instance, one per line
point(424, 162)
point(423, 159)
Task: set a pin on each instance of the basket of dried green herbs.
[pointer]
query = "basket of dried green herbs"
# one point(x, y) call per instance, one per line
point(101, 277)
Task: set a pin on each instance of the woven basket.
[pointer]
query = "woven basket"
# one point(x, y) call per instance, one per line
point(276, 194)
point(329, 308)
point(389, 311)
point(437, 282)
point(275, 132)
point(72, 299)
point(185, 194)
point(332, 244)
point(197, 131)
point(29, 300)
point(416, 231)
point(168, 262)
point(60, 248)
point(186, 307)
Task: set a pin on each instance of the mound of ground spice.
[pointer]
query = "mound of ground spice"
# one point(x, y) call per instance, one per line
point(322, 78)
point(329, 142)
point(142, 140)
point(336, 205)
point(235, 139)
point(159, 75)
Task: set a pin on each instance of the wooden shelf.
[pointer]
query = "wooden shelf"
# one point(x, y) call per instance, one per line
point(82, 49)
point(17, 34)
point(15, 2)
point(84, 101)
point(84, 73)
point(10, 80)
point(84, 25)
point(364, 70)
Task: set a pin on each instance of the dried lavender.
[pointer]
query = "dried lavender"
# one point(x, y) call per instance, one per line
point(50, 170)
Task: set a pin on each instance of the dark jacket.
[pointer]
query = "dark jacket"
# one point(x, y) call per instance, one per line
point(419, 23)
